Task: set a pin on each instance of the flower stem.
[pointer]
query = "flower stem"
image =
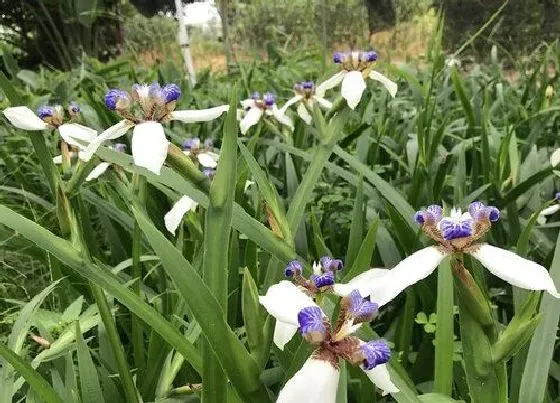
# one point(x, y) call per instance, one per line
point(139, 190)
point(487, 381)
point(68, 216)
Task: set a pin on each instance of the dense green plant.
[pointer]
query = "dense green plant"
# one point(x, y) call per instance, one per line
point(125, 308)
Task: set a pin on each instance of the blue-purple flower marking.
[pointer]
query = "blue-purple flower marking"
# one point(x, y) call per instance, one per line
point(311, 324)
point(73, 108)
point(375, 352)
point(361, 309)
point(191, 143)
point(432, 214)
point(479, 211)
point(116, 97)
point(293, 268)
point(171, 92)
point(323, 280)
point(468, 226)
point(557, 197)
point(45, 112)
point(456, 226)
point(355, 56)
point(330, 264)
point(269, 99)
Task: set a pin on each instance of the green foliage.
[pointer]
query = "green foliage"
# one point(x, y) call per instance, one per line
point(348, 185)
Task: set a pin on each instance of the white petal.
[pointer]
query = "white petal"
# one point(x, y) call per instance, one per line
point(325, 103)
point(251, 118)
point(202, 115)
point(174, 216)
point(290, 102)
point(329, 83)
point(315, 382)
point(24, 118)
point(550, 210)
point(248, 103)
point(97, 171)
point(208, 159)
point(57, 160)
point(381, 378)
point(353, 86)
point(304, 113)
point(111, 133)
point(514, 269)
point(149, 146)
point(283, 333)
point(284, 301)
point(363, 283)
point(390, 85)
point(282, 118)
point(77, 135)
point(554, 158)
point(414, 268)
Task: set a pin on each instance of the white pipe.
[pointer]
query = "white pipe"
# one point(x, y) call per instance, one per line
point(183, 37)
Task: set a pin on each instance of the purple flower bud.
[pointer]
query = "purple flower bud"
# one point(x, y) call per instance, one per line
point(120, 147)
point(293, 268)
point(269, 98)
point(114, 96)
point(479, 211)
point(375, 353)
point(419, 217)
point(557, 197)
point(323, 280)
point(171, 92)
point(370, 56)
point(330, 264)
point(256, 95)
point(337, 57)
point(308, 85)
point(191, 143)
point(73, 108)
point(432, 214)
point(493, 213)
point(361, 309)
point(45, 111)
point(311, 324)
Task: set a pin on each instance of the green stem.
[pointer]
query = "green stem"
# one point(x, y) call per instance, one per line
point(443, 366)
point(67, 217)
point(216, 251)
point(139, 189)
point(45, 159)
point(115, 343)
point(487, 381)
point(186, 167)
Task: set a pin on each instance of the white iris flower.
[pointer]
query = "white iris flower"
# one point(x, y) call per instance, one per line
point(255, 108)
point(157, 104)
point(52, 117)
point(355, 68)
point(306, 95)
point(457, 233)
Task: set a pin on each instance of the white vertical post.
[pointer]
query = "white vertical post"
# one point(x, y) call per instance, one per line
point(184, 42)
